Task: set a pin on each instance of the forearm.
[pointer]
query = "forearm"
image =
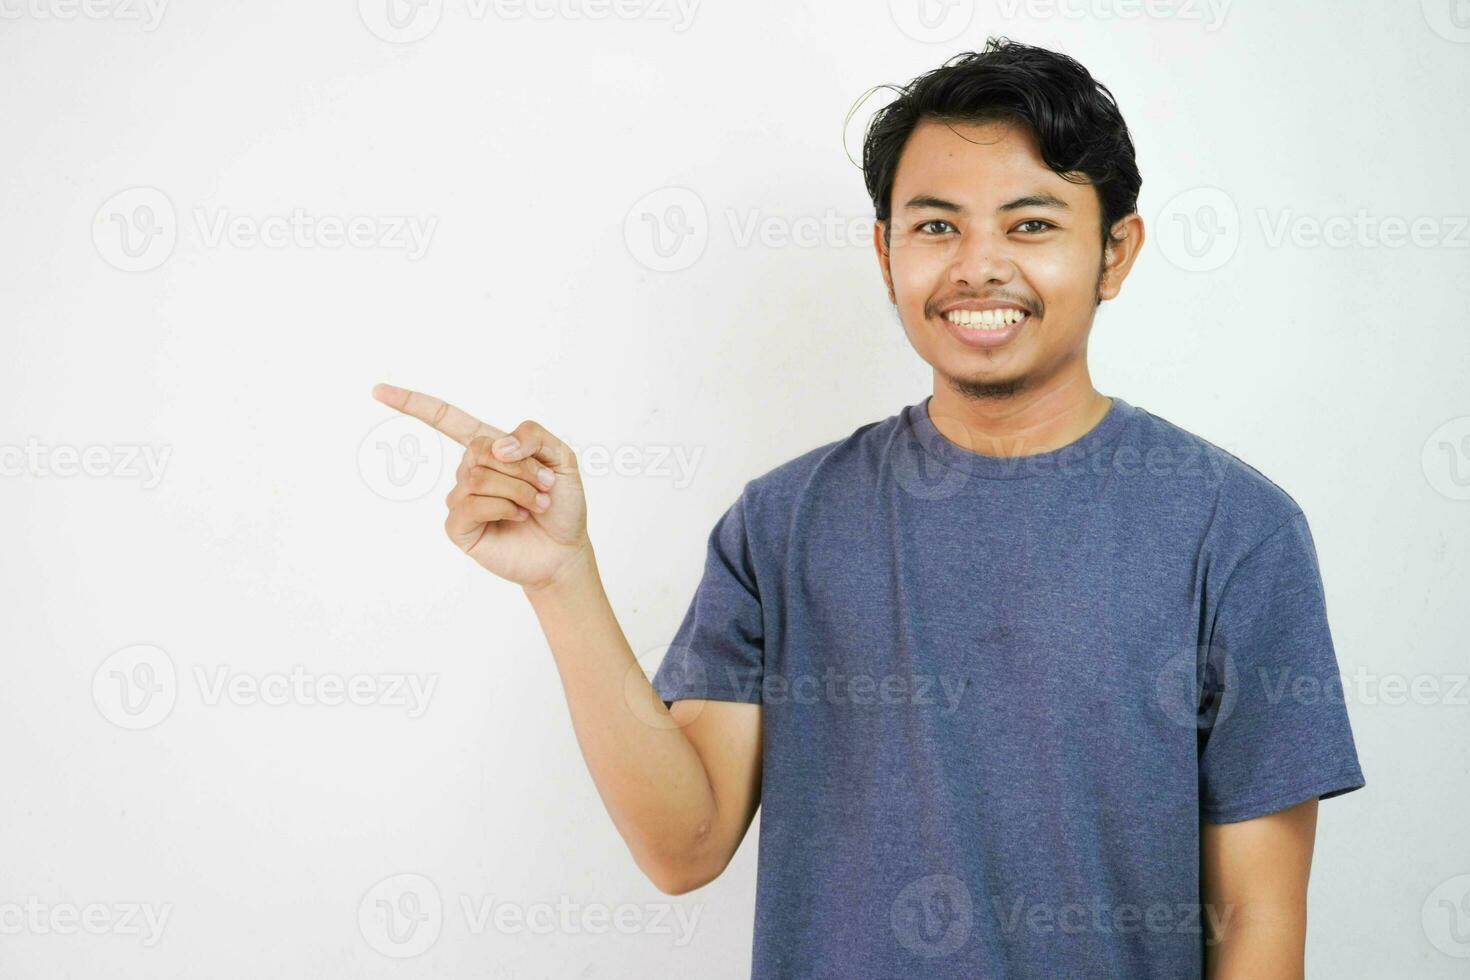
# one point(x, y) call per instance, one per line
point(649, 775)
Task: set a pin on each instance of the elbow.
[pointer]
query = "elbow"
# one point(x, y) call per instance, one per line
point(680, 884)
point(676, 878)
point(691, 869)
point(682, 874)
point(678, 867)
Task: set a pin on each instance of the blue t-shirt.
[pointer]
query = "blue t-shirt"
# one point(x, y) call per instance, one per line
point(1000, 694)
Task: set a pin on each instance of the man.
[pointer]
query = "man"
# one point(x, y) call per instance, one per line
point(1011, 672)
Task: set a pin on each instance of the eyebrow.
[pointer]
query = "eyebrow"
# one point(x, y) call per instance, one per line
point(1042, 200)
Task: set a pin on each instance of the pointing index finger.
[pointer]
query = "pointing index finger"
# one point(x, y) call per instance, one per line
point(455, 423)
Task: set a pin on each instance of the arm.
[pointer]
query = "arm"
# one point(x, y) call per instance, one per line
point(681, 786)
point(1253, 882)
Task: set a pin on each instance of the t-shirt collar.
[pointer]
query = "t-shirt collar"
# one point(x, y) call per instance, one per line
point(1072, 458)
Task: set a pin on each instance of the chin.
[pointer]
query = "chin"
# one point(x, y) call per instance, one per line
point(986, 385)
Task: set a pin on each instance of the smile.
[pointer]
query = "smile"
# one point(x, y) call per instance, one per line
point(986, 319)
point(985, 328)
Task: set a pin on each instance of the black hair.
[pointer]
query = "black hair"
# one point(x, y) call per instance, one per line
point(1074, 118)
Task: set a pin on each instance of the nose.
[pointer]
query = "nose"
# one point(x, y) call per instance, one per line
point(981, 258)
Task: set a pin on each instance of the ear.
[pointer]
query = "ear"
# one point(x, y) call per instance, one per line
point(879, 227)
point(1119, 254)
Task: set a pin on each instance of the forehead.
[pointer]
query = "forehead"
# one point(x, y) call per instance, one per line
point(978, 165)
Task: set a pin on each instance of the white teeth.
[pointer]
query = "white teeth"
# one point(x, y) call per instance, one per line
point(985, 319)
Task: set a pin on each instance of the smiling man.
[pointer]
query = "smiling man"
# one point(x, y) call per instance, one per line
point(1124, 791)
point(1013, 674)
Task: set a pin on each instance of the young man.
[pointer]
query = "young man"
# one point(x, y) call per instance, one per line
point(1013, 672)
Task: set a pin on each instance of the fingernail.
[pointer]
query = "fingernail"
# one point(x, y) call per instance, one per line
point(545, 477)
point(543, 500)
point(509, 444)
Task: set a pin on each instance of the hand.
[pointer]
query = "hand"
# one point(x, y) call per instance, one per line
point(494, 516)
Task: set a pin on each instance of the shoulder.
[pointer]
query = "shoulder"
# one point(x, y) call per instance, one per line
point(1242, 492)
point(844, 464)
point(1242, 509)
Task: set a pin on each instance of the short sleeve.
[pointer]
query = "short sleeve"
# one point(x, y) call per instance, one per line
point(718, 651)
point(1280, 733)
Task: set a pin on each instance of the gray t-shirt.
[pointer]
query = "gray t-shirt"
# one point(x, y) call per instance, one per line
point(1000, 694)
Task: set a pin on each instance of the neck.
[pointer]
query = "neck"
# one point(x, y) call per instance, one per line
point(1027, 421)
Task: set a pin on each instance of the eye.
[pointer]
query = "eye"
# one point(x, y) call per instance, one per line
point(1036, 221)
point(935, 221)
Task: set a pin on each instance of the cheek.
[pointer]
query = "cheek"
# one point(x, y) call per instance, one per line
point(1061, 276)
point(916, 273)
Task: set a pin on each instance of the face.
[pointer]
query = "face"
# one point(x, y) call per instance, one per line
point(979, 223)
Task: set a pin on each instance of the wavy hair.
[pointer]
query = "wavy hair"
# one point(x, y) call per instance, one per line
point(1075, 119)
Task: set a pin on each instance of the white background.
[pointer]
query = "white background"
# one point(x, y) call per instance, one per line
point(269, 539)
